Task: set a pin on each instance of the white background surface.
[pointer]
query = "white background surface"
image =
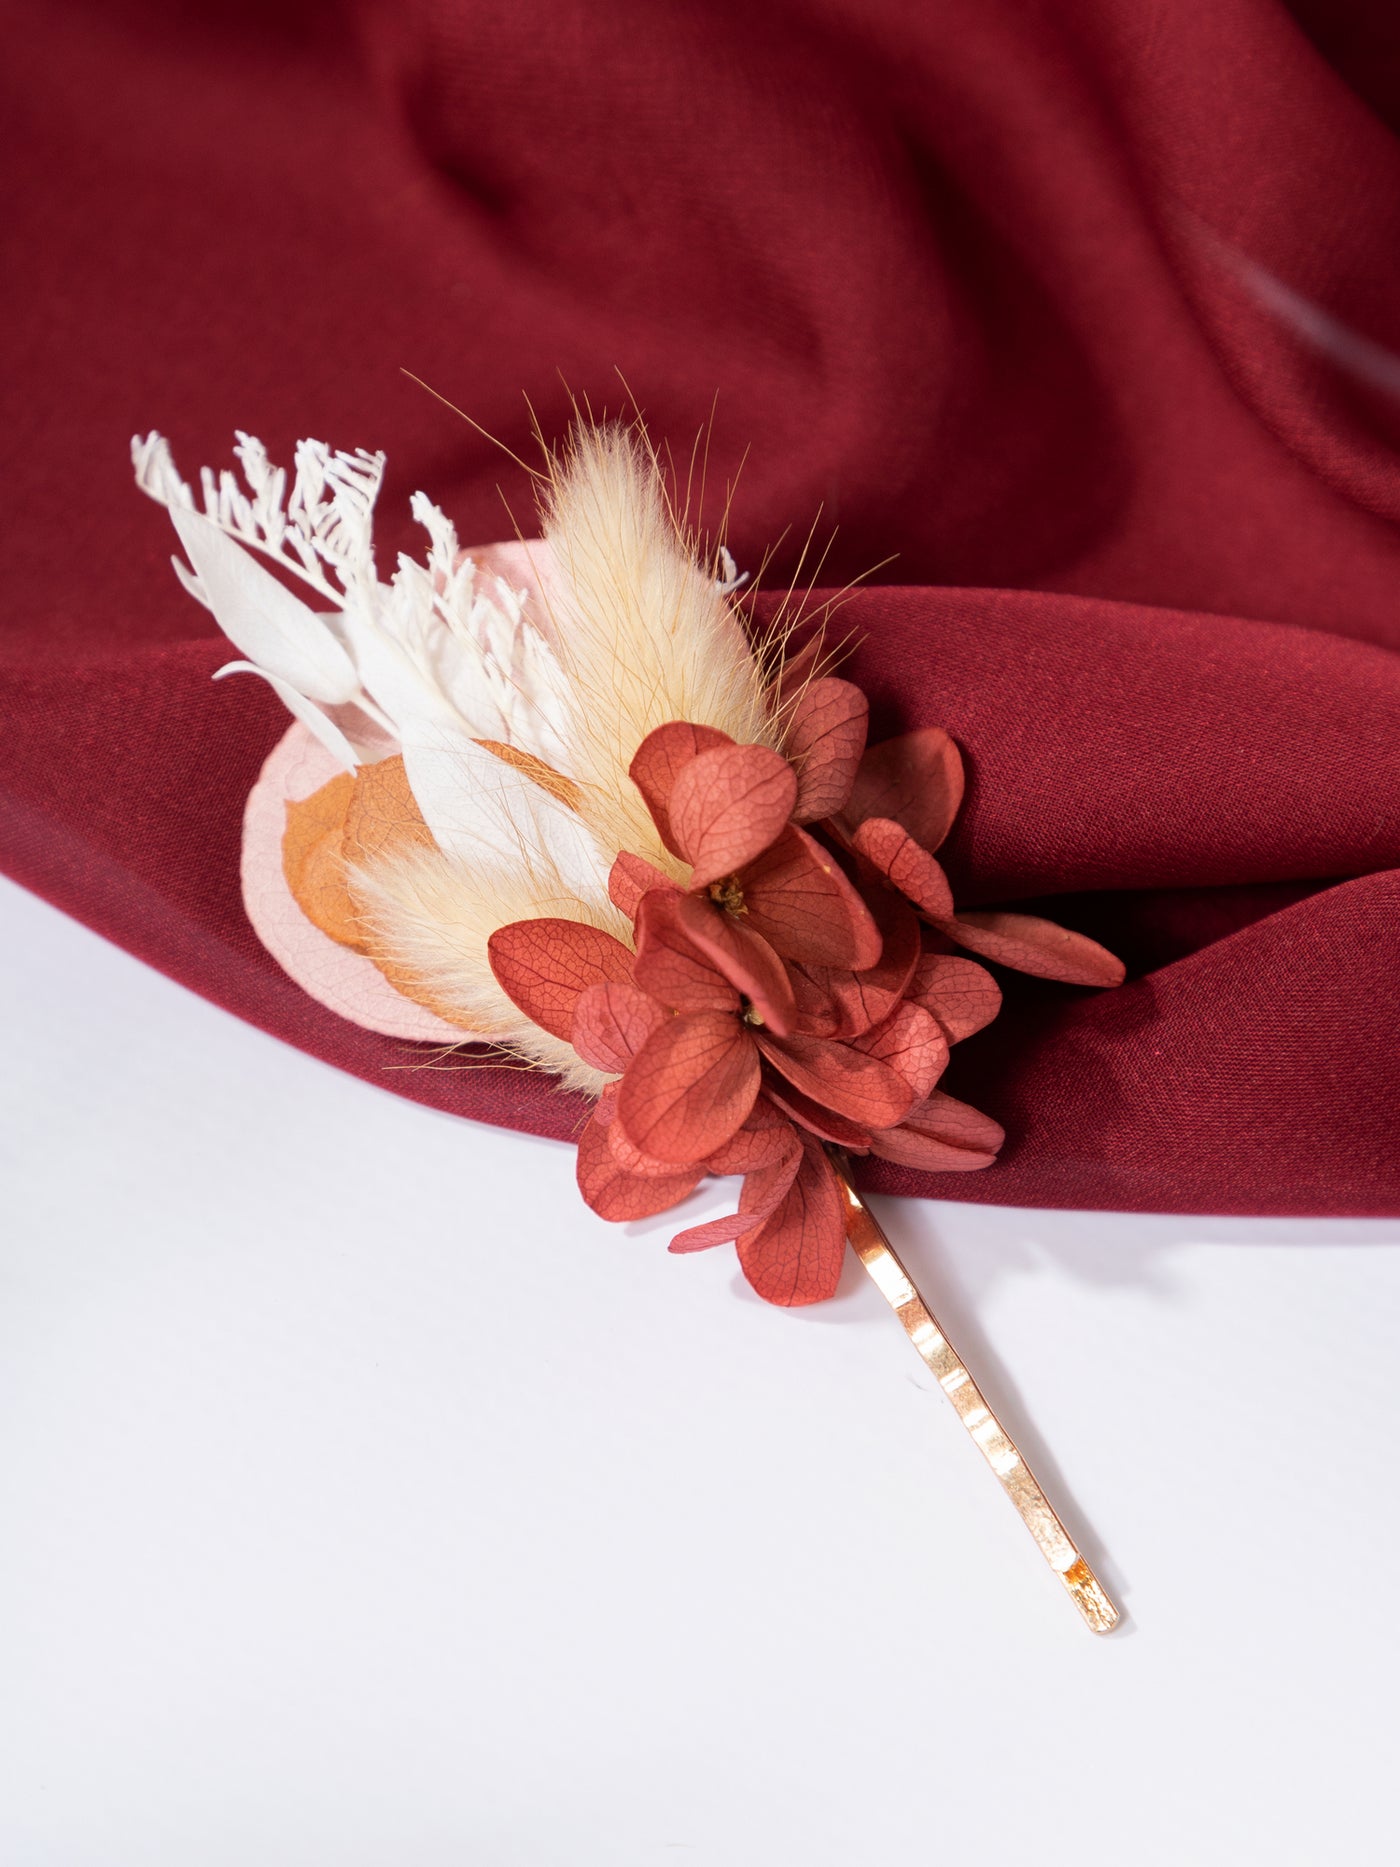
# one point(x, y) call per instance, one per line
point(367, 1501)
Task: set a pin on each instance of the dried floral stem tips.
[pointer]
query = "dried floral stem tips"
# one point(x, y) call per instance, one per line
point(992, 1439)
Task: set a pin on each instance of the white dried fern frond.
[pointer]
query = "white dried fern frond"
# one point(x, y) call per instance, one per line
point(449, 662)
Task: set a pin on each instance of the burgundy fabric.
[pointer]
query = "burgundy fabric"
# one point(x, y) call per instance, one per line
point(1089, 310)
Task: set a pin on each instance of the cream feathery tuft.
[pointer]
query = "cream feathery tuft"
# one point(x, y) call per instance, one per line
point(517, 711)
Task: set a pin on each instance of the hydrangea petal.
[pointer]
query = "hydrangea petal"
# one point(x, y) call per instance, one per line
point(840, 1078)
point(825, 740)
point(660, 758)
point(906, 865)
point(629, 879)
point(743, 957)
point(814, 1118)
point(1037, 946)
point(912, 1043)
point(612, 1020)
point(543, 966)
point(764, 1189)
point(963, 996)
point(766, 1138)
point(942, 1135)
point(613, 1193)
point(795, 1257)
point(797, 897)
point(726, 806)
point(690, 1087)
point(861, 999)
point(916, 779)
point(669, 966)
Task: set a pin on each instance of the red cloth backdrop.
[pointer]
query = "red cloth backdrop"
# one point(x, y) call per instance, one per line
point(1087, 309)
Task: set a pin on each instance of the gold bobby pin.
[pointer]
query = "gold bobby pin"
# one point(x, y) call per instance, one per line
point(992, 1439)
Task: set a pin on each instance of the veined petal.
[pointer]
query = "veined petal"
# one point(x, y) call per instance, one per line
point(296, 703)
point(795, 1256)
point(544, 966)
point(840, 1078)
point(727, 805)
point(691, 1085)
point(284, 638)
point(917, 779)
point(631, 877)
point(825, 740)
point(765, 1139)
point(1037, 946)
point(942, 1135)
point(796, 896)
point(912, 1043)
point(962, 995)
point(611, 1191)
point(612, 1020)
point(742, 956)
point(670, 966)
point(814, 1118)
point(863, 998)
point(658, 761)
point(765, 1187)
point(905, 865)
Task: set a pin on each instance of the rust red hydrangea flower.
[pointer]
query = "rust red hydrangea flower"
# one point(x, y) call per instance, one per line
point(788, 998)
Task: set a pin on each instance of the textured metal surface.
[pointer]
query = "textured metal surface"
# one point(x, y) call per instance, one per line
point(992, 1439)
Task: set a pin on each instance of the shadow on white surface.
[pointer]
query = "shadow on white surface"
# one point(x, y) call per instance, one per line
point(370, 1501)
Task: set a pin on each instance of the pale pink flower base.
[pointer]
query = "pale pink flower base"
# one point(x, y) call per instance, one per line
point(344, 982)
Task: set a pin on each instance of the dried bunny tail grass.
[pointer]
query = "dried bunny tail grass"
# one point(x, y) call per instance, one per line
point(646, 636)
point(430, 918)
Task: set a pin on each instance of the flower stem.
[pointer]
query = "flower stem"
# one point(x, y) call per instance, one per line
point(991, 1437)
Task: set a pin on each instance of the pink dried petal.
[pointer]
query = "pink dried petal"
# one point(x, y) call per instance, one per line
point(764, 1189)
point(844, 1080)
point(942, 1135)
point(906, 865)
point(692, 1084)
point(716, 1232)
point(612, 1021)
point(962, 995)
point(795, 1257)
point(629, 879)
point(726, 806)
point(911, 1042)
point(766, 1138)
point(864, 998)
point(612, 1192)
point(814, 1118)
point(825, 739)
point(1037, 946)
point(632, 1160)
point(543, 965)
point(741, 956)
point(660, 758)
point(669, 966)
point(917, 779)
point(797, 897)
point(818, 1013)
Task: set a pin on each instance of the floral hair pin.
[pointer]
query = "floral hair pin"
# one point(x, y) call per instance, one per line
point(552, 798)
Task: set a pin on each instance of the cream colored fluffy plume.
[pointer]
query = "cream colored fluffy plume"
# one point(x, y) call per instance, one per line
point(433, 918)
point(644, 635)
